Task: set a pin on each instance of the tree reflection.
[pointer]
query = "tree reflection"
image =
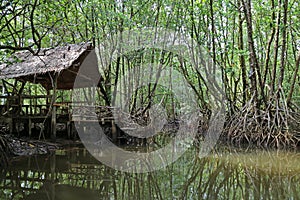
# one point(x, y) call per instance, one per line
point(74, 174)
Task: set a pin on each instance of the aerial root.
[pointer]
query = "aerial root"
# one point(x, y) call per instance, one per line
point(270, 127)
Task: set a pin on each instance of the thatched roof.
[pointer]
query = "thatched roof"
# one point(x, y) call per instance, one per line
point(65, 60)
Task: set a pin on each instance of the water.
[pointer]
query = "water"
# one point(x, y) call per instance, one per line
point(226, 174)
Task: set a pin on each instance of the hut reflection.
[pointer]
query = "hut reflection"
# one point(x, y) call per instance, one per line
point(75, 174)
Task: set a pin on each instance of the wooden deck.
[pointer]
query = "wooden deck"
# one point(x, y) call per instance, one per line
point(28, 112)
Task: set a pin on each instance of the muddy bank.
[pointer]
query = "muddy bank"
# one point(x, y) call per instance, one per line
point(12, 147)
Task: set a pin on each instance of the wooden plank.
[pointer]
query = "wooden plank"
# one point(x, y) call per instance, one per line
point(36, 96)
point(86, 120)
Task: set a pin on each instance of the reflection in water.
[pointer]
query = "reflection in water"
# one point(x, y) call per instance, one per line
point(74, 174)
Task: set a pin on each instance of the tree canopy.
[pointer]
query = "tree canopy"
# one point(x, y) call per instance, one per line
point(256, 45)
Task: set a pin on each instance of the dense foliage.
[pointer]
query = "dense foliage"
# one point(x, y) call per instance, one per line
point(256, 44)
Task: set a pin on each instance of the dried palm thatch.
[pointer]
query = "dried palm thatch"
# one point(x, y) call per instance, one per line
point(64, 60)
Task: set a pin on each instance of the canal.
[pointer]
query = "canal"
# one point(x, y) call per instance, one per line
point(227, 173)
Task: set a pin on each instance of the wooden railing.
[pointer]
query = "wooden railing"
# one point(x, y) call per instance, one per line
point(25, 105)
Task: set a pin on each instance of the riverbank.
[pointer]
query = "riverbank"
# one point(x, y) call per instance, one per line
point(12, 146)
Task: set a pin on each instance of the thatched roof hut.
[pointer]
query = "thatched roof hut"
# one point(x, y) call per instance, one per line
point(65, 60)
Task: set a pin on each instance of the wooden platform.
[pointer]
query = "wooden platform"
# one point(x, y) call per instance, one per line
point(14, 114)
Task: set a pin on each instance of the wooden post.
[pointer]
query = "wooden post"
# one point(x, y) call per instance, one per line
point(53, 123)
point(114, 131)
point(29, 126)
point(53, 115)
point(47, 99)
point(30, 102)
point(35, 100)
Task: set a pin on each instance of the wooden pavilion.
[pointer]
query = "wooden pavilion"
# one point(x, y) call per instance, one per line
point(54, 69)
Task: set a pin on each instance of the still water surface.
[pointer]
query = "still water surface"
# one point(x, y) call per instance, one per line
point(226, 174)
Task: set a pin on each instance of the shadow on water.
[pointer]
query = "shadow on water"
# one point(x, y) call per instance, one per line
point(226, 174)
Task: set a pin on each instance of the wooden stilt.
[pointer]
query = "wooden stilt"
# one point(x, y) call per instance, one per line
point(29, 127)
point(53, 123)
point(113, 131)
point(69, 129)
point(53, 114)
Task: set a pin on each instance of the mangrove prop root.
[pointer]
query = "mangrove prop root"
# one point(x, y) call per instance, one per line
point(274, 126)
